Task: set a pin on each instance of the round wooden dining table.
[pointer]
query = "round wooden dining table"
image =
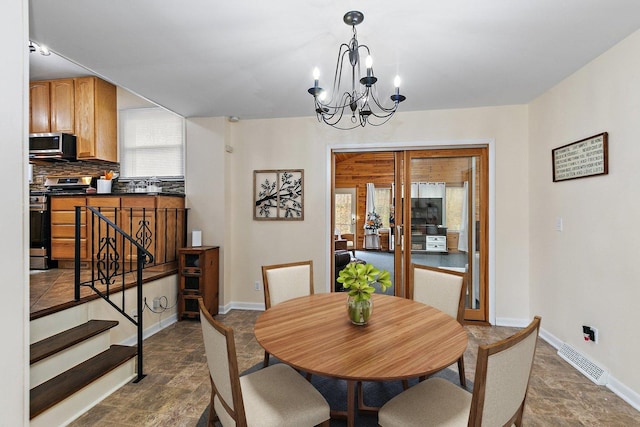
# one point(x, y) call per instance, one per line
point(403, 339)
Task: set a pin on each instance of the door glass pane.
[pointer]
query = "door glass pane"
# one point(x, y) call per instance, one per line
point(445, 216)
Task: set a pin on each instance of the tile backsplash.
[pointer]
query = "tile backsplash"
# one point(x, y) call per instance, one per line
point(41, 170)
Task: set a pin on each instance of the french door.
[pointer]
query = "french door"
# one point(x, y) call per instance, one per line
point(440, 205)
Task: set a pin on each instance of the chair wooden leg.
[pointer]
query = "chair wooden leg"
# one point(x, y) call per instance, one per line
point(265, 363)
point(405, 384)
point(463, 378)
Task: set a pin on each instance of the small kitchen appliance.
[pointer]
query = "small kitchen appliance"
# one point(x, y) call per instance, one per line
point(52, 146)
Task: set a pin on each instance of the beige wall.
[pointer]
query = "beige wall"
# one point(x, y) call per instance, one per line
point(14, 291)
point(587, 274)
point(302, 143)
point(205, 183)
point(582, 275)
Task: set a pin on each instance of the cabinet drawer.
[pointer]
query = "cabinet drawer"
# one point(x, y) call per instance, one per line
point(99, 202)
point(66, 248)
point(138, 202)
point(437, 246)
point(436, 239)
point(67, 217)
point(67, 203)
point(68, 231)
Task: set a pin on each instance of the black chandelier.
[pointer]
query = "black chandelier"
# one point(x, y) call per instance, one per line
point(362, 99)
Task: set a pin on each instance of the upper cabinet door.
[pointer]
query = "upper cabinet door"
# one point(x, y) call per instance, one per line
point(85, 117)
point(62, 106)
point(96, 119)
point(39, 107)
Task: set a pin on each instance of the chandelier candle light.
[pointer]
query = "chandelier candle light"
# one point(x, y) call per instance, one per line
point(362, 99)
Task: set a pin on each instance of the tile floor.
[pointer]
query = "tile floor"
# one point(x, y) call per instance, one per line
point(176, 389)
point(53, 289)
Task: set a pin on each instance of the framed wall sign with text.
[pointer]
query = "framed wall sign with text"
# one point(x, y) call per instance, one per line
point(278, 195)
point(580, 159)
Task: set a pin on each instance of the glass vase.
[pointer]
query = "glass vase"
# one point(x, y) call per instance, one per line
point(359, 310)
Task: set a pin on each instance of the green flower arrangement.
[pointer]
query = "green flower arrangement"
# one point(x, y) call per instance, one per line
point(359, 278)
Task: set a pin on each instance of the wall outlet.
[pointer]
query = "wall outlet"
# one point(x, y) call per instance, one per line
point(156, 303)
point(590, 334)
point(257, 285)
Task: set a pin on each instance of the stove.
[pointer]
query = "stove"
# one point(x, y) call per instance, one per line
point(40, 216)
point(68, 184)
point(39, 232)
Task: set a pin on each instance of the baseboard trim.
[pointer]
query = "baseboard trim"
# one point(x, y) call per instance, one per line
point(235, 305)
point(151, 330)
point(512, 322)
point(613, 384)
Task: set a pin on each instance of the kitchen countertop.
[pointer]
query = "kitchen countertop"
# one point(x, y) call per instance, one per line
point(75, 193)
point(66, 194)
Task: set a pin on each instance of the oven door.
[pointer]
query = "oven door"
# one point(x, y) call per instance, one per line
point(39, 238)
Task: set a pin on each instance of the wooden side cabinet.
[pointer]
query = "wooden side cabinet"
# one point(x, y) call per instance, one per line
point(199, 271)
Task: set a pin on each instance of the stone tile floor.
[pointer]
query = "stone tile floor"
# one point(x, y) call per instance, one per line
point(176, 390)
point(54, 288)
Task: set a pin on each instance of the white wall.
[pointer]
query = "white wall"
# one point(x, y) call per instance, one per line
point(301, 143)
point(14, 291)
point(587, 274)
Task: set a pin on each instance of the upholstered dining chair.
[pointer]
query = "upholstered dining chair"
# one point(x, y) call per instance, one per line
point(499, 393)
point(442, 289)
point(286, 281)
point(275, 396)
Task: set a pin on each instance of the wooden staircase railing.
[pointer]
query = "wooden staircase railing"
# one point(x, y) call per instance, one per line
point(116, 254)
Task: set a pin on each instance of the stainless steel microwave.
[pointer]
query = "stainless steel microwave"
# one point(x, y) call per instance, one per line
point(52, 146)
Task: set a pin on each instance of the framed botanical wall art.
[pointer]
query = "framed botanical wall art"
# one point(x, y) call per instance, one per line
point(278, 194)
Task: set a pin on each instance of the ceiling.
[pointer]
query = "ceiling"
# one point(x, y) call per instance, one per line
point(255, 59)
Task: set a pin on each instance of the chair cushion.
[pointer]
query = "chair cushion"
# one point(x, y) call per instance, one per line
point(279, 396)
point(434, 402)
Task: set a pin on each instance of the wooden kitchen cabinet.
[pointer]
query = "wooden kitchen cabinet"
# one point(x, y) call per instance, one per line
point(39, 107)
point(199, 271)
point(95, 119)
point(52, 106)
point(63, 219)
point(157, 223)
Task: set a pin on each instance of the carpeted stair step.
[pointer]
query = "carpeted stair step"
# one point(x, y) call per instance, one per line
point(59, 342)
point(57, 389)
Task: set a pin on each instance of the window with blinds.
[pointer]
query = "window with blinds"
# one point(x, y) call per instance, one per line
point(151, 143)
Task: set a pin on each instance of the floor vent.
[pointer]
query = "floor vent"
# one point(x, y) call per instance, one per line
point(592, 371)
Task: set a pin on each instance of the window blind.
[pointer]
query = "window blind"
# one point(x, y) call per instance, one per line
point(152, 143)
